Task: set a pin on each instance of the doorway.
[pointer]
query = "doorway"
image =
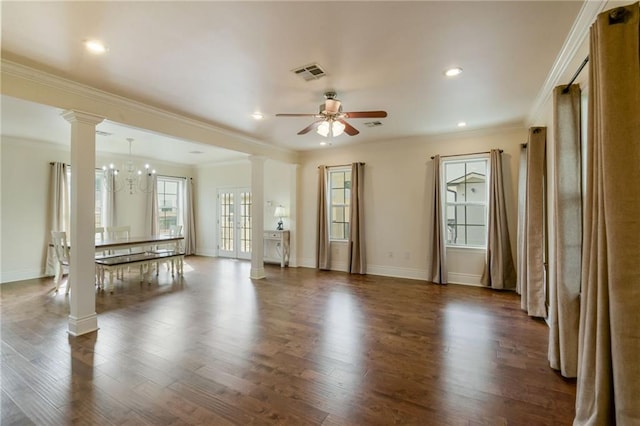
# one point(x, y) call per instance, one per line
point(234, 223)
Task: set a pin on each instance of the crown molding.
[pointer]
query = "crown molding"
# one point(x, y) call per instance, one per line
point(114, 102)
point(576, 37)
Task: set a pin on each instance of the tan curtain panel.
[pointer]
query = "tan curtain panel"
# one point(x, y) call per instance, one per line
point(608, 387)
point(152, 205)
point(109, 200)
point(189, 219)
point(323, 250)
point(59, 210)
point(533, 282)
point(522, 221)
point(565, 265)
point(437, 271)
point(357, 254)
point(499, 271)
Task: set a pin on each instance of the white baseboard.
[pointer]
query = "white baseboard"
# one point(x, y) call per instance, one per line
point(396, 272)
point(385, 271)
point(307, 263)
point(21, 274)
point(466, 279)
point(207, 253)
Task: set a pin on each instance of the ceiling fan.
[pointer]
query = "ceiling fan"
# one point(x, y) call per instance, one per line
point(332, 118)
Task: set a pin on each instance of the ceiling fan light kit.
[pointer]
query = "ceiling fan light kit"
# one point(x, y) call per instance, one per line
point(331, 118)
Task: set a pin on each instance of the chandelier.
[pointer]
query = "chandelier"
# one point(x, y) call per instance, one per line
point(129, 177)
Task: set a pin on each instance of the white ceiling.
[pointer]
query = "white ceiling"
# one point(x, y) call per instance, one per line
point(221, 61)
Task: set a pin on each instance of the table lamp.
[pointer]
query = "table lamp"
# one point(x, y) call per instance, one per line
point(279, 213)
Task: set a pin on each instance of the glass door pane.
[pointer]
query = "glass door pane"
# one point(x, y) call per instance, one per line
point(234, 219)
point(225, 219)
point(245, 225)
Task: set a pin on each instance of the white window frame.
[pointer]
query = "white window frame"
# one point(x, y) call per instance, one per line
point(330, 205)
point(179, 199)
point(97, 195)
point(446, 204)
point(100, 196)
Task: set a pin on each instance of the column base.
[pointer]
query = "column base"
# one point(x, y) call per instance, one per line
point(80, 326)
point(257, 273)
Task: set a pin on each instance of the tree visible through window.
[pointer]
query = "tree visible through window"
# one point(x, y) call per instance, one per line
point(339, 203)
point(466, 187)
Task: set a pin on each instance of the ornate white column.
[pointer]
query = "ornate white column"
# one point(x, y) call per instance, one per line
point(257, 217)
point(82, 302)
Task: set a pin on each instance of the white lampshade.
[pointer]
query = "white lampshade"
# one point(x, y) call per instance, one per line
point(279, 212)
point(323, 129)
point(336, 128)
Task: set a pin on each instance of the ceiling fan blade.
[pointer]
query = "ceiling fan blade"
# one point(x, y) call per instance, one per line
point(310, 127)
point(348, 128)
point(298, 115)
point(365, 114)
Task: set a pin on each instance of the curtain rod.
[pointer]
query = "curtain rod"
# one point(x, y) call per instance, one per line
point(343, 165)
point(566, 89)
point(461, 155)
point(174, 177)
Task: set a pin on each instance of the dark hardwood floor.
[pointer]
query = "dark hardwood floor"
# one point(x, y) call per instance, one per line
point(300, 347)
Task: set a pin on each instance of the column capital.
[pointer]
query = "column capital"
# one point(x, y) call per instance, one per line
point(83, 117)
point(257, 158)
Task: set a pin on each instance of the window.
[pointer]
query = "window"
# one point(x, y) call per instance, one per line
point(466, 189)
point(99, 191)
point(169, 203)
point(339, 203)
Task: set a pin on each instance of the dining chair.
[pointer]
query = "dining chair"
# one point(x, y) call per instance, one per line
point(174, 247)
point(100, 233)
point(115, 233)
point(61, 248)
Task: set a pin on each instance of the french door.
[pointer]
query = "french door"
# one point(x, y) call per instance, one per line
point(234, 223)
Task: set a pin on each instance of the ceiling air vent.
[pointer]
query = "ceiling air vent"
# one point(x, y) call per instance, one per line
point(373, 124)
point(101, 133)
point(310, 72)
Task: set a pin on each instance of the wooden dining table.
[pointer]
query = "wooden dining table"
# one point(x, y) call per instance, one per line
point(143, 241)
point(110, 244)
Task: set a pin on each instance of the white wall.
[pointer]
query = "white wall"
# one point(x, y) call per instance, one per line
point(279, 188)
point(397, 203)
point(209, 179)
point(25, 203)
point(397, 186)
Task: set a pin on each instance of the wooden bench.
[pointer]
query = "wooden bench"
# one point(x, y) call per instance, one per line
point(144, 260)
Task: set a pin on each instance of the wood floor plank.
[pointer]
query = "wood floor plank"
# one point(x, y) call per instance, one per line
point(299, 347)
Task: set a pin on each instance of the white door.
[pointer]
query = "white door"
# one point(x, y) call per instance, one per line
point(234, 223)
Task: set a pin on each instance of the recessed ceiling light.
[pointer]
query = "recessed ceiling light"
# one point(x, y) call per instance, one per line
point(452, 72)
point(257, 116)
point(196, 152)
point(95, 46)
point(462, 124)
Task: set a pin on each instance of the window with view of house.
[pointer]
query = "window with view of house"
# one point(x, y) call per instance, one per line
point(339, 203)
point(466, 189)
point(169, 203)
